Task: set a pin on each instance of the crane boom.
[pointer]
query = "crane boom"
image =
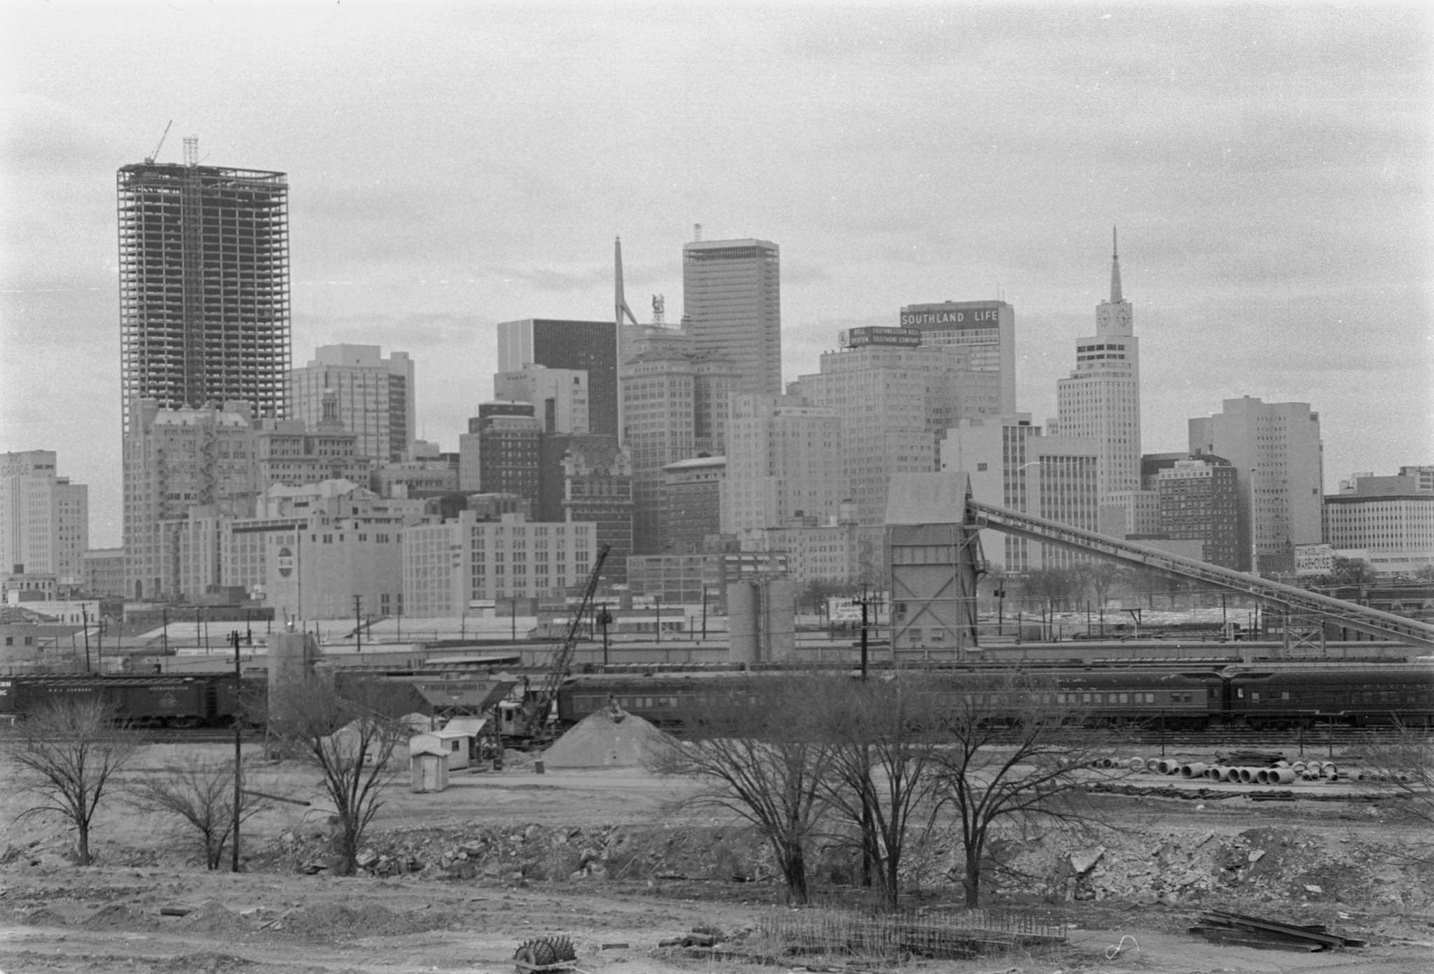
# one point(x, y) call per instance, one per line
point(538, 704)
point(162, 137)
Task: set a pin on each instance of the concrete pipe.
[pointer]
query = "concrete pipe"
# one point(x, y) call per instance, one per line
point(1262, 776)
point(1279, 776)
point(1332, 774)
point(1247, 775)
point(1328, 767)
point(1215, 772)
point(1232, 774)
point(1166, 766)
point(1152, 765)
point(1298, 767)
point(1136, 764)
point(1196, 770)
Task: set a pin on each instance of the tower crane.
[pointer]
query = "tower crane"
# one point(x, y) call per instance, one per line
point(149, 159)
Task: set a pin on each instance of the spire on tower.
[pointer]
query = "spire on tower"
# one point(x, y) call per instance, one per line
point(1115, 297)
point(620, 309)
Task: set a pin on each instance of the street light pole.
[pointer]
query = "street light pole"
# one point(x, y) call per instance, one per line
point(238, 773)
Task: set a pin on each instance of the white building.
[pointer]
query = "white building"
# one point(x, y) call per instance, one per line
point(559, 396)
point(44, 519)
point(1386, 521)
point(731, 294)
point(1100, 399)
point(1278, 458)
point(784, 460)
point(1012, 465)
point(894, 399)
point(374, 396)
point(986, 330)
point(448, 565)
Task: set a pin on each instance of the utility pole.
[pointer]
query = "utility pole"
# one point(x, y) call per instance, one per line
point(604, 618)
point(358, 623)
point(164, 631)
point(85, 621)
point(238, 773)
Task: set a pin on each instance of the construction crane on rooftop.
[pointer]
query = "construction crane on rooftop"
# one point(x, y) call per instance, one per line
point(149, 159)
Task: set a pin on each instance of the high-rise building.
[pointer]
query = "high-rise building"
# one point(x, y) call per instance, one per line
point(1199, 500)
point(731, 294)
point(1010, 463)
point(1278, 458)
point(203, 287)
point(1387, 522)
point(373, 397)
point(557, 344)
point(559, 396)
point(44, 519)
point(177, 461)
point(659, 396)
point(784, 460)
point(985, 330)
point(508, 436)
point(894, 397)
point(692, 503)
point(1100, 399)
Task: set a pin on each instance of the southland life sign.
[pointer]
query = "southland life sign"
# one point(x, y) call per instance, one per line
point(953, 315)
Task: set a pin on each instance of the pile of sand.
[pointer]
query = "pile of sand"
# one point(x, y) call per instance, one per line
point(609, 738)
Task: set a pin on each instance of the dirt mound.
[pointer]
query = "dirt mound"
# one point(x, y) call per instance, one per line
point(609, 738)
point(214, 917)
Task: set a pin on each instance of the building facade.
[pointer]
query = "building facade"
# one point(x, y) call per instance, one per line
point(1100, 399)
point(588, 346)
point(373, 397)
point(559, 396)
point(1386, 521)
point(692, 503)
point(784, 462)
point(1278, 458)
point(448, 565)
point(44, 518)
point(731, 293)
point(1199, 500)
point(203, 287)
point(985, 330)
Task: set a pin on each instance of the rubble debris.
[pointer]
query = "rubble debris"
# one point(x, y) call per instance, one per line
point(1251, 931)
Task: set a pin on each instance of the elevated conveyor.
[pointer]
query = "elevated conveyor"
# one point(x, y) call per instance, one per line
point(1347, 614)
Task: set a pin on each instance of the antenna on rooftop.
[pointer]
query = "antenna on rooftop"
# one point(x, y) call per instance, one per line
point(149, 159)
point(697, 232)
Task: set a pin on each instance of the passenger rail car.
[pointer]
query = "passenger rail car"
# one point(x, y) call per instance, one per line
point(1189, 699)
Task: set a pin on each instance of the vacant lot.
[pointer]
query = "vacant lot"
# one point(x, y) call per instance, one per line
point(616, 861)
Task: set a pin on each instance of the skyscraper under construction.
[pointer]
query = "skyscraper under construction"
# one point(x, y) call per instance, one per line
point(204, 286)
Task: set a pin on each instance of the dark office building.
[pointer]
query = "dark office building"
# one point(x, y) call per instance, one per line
point(557, 344)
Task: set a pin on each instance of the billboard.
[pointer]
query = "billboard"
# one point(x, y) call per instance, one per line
point(952, 315)
point(877, 335)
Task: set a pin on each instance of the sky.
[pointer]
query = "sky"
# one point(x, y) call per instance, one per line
point(453, 165)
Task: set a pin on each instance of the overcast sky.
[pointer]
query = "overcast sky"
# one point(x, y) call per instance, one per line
point(455, 165)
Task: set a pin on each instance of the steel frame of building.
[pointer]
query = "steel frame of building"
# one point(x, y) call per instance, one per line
point(203, 286)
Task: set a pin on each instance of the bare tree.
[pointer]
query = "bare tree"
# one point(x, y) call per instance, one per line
point(760, 746)
point(70, 752)
point(1015, 752)
point(883, 779)
point(202, 795)
point(351, 745)
point(1404, 764)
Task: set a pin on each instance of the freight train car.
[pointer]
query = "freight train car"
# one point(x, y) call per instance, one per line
point(147, 700)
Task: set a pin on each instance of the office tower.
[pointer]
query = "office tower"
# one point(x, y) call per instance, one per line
point(784, 461)
point(1198, 499)
point(506, 435)
point(176, 461)
point(1100, 400)
point(659, 397)
point(44, 519)
point(1011, 464)
point(203, 287)
point(1387, 522)
point(1278, 458)
point(984, 329)
point(587, 477)
point(894, 397)
point(587, 345)
point(559, 396)
point(692, 503)
point(731, 292)
point(374, 397)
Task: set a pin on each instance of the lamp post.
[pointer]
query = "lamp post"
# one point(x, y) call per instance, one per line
point(238, 772)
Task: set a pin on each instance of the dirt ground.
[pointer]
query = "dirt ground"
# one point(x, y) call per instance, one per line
point(613, 859)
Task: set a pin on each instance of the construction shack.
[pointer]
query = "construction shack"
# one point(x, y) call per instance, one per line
point(427, 763)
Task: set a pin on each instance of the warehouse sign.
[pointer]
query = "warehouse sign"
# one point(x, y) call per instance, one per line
point(935, 316)
point(857, 337)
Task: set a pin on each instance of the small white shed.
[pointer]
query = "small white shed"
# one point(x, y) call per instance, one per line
point(456, 740)
point(427, 763)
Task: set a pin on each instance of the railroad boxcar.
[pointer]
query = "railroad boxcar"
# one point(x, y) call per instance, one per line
point(1350, 695)
point(142, 700)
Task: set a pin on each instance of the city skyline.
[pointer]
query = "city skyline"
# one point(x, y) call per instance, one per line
point(449, 169)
